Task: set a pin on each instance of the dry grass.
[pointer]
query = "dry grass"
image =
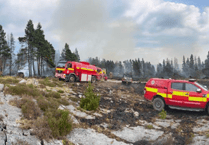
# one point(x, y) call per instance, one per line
point(53, 94)
point(20, 142)
point(23, 89)
point(1, 117)
point(74, 99)
point(29, 109)
point(67, 142)
point(8, 80)
point(25, 123)
point(41, 129)
point(189, 138)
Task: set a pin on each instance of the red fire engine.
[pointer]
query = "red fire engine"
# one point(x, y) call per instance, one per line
point(177, 94)
point(79, 71)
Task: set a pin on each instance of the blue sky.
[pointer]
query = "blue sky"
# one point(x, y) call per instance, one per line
point(116, 30)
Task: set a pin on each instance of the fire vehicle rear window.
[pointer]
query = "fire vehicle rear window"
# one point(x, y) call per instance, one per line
point(177, 86)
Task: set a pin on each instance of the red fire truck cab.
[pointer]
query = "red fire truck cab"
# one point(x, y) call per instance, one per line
point(77, 71)
point(177, 94)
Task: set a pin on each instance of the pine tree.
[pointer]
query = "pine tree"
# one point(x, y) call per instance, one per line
point(4, 49)
point(11, 44)
point(77, 55)
point(39, 44)
point(184, 65)
point(67, 54)
point(29, 40)
point(199, 63)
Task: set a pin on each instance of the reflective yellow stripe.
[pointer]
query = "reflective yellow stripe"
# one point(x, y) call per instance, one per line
point(87, 69)
point(204, 99)
point(207, 95)
point(180, 93)
point(195, 99)
point(77, 67)
point(151, 89)
point(170, 96)
point(162, 94)
point(70, 69)
point(60, 69)
point(90, 69)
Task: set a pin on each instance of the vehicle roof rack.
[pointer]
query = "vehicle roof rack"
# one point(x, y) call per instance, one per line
point(192, 80)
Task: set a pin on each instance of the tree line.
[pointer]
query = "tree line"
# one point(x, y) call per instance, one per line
point(36, 53)
point(191, 67)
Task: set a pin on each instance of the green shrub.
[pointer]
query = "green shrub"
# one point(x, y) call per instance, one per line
point(149, 126)
point(47, 82)
point(43, 103)
point(91, 100)
point(162, 114)
point(23, 89)
point(53, 94)
point(53, 103)
point(63, 101)
point(59, 121)
point(60, 91)
point(31, 86)
point(29, 109)
point(74, 99)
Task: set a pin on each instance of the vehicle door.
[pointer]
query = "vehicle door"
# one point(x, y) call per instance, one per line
point(70, 68)
point(196, 98)
point(176, 94)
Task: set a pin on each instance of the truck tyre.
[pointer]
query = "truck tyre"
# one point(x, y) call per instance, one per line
point(71, 78)
point(207, 109)
point(93, 79)
point(67, 79)
point(158, 104)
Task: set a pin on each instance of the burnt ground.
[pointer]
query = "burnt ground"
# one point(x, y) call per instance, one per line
point(125, 100)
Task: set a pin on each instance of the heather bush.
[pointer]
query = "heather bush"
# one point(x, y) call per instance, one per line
point(59, 121)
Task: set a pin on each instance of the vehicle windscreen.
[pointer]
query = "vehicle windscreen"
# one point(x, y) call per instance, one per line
point(127, 76)
point(61, 64)
point(201, 86)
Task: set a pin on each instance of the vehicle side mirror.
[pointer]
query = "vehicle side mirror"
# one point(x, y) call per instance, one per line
point(199, 91)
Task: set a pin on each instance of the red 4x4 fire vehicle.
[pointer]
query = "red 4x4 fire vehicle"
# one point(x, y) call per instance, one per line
point(79, 71)
point(177, 94)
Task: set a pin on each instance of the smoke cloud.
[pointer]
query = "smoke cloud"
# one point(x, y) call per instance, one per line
point(153, 30)
point(88, 26)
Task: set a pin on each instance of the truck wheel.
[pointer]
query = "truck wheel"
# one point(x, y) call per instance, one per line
point(158, 104)
point(66, 79)
point(71, 78)
point(93, 79)
point(207, 109)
